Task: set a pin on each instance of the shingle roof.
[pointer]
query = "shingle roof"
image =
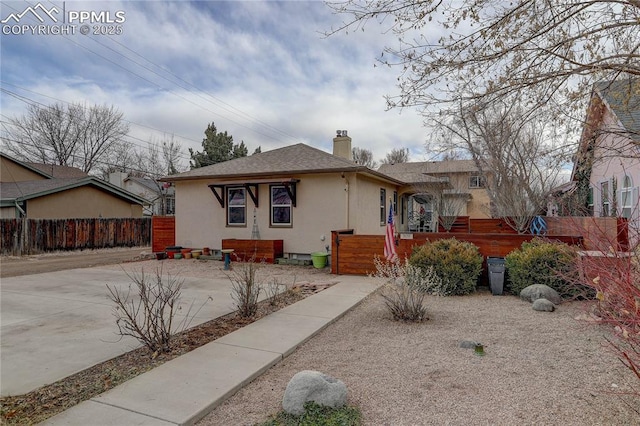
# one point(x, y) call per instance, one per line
point(10, 191)
point(293, 159)
point(56, 171)
point(429, 168)
point(147, 183)
point(623, 97)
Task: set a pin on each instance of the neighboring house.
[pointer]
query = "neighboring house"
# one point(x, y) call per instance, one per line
point(607, 164)
point(445, 188)
point(41, 191)
point(297, 194)
point(160, 196)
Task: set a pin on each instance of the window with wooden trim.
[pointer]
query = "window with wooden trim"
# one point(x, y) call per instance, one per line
point(236, 207)
point(280, 206)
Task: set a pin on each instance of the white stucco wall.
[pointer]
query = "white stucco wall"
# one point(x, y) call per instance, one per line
point(325, 202)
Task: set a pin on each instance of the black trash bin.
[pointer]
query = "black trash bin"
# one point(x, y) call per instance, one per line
point(496, 274)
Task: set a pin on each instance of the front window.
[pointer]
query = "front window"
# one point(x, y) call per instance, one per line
point(604, 196)
point(625, 193)
point(476, 181)
point(237, 207)
point(280, 206)
point(383, 207)
point(395, 202)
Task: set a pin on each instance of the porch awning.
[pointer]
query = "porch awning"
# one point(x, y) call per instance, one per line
point(219, 188)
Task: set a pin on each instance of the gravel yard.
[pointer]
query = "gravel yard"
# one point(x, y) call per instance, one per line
point(539, 367)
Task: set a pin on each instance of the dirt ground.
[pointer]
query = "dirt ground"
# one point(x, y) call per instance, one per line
point(14, 266)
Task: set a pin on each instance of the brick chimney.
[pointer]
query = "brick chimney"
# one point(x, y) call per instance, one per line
point(342, 145)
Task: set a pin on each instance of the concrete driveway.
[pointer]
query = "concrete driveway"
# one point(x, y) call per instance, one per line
point(56, 324)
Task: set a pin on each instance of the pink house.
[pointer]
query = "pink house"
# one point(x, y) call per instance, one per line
point(607, 165)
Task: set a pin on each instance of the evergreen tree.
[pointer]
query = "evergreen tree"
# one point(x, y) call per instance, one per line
point(216, 148)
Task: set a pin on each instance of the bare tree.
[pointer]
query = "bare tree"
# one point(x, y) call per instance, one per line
point(122, 157)
point(514, 152)
point(397, 155)
point(364, 157)
point(449, 204)
point(162, 159)
point(73, 135)
point(550, 52)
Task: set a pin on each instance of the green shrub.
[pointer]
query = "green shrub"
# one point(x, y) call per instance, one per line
point(317, 415)
point(456, 263)
point(543, 262)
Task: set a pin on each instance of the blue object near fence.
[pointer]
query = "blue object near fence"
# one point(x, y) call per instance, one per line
point(538, 226)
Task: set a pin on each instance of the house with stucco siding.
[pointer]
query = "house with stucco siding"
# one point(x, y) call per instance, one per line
point(433, 188)
point(299, 194)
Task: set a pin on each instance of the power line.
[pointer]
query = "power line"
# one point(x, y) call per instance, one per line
point(33, 102)
point(170, 91)
point(70, 103)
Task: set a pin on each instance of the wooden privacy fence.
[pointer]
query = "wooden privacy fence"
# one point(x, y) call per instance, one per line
point(598, 233)
point(164, 232)
point(354, 254)
point(30, 236)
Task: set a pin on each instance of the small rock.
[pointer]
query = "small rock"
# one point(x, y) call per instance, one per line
point(313, 386)
point(543, 305)
point(540, 291)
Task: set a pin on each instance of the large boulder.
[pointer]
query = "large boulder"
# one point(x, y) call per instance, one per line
point(543, 305)
point(540, 291)
point(313, 386)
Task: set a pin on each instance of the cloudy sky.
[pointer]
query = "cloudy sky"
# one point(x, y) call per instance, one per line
point(262, 71)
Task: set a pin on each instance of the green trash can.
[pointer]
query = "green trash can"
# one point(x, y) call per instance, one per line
point(496, 266)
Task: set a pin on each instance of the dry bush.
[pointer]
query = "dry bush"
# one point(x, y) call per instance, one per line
point(147, 313)
point(402, 290)
point(246, 287)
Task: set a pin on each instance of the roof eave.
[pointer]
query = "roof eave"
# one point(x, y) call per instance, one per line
point(86, 181)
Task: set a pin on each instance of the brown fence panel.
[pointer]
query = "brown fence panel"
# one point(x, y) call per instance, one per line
point(11, 232)
point(461, 224)
point(29, 236)
point(163, 232)
point(354, 254)
point(260, 250)
point(599, 233)
point(490, 226)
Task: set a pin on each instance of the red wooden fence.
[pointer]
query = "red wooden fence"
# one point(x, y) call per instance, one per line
point(354, 254)
point(163, 232)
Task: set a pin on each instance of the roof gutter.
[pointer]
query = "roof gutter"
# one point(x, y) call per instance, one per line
point(22, 212)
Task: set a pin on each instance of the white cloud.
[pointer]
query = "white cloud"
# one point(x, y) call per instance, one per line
point(266, 60)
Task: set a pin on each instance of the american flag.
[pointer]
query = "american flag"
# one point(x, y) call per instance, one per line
point(389, 238)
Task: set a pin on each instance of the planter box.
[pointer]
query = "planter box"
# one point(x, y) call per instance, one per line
point(258, 250)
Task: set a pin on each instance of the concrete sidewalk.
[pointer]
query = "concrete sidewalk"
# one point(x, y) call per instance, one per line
point(183, 390)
